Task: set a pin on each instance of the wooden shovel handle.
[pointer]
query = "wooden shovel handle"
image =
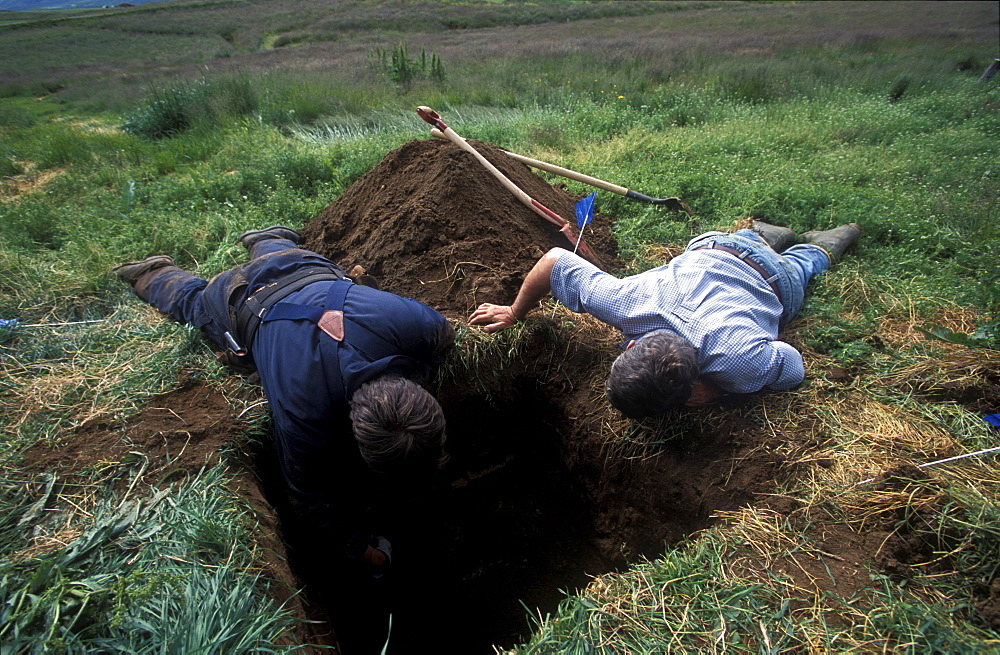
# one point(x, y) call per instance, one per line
point(552, 168)
point(434, 118)
point(671, 202)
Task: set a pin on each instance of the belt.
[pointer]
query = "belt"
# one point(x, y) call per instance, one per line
point(742, 256)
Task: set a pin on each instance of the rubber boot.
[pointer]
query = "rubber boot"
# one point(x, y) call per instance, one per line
point(779, 238)
point(251, 237)
point(834, 242)
point(132, 271)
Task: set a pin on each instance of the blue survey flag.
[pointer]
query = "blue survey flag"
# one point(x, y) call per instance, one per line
point(8, 322)
point(585, 210)
point(993, 419)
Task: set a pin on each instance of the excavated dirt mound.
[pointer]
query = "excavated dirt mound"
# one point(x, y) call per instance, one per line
point(431, 223)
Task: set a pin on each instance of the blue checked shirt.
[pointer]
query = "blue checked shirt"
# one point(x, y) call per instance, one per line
point(709, 297)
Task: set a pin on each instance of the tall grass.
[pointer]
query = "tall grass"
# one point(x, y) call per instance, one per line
point(151, 574)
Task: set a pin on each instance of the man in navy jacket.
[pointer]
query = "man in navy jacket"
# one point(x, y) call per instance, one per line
point(335, 359)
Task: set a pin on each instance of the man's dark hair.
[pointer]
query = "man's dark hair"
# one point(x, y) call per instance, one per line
point(656, 373)
point(398, 425)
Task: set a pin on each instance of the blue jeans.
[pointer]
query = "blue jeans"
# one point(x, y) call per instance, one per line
point(791, 270)
point(210, 305)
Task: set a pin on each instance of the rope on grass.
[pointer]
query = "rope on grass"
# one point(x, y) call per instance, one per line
point(12, 322)
point(244, 412)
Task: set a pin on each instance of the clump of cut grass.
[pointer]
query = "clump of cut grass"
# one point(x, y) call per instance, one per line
point(546, 347)
point(487, 361)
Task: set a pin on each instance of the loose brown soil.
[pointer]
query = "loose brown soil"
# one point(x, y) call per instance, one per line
point(180, 432)
point(431, 223)
point(535, 500)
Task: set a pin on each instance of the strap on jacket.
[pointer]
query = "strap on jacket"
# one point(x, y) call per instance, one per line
point(357, 335)
point(259, 304)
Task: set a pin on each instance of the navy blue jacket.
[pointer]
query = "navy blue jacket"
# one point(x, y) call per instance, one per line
point(308, 378)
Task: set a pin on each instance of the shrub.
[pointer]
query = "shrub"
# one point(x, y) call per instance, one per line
point(32, 223)
point(899, 87)
point(166, 112)
point(9, 166)
point(750, 86)
point(16, 117)
point(170, 111)
point(402, 70)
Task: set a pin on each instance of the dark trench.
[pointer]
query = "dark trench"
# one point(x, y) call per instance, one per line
point(503, 534)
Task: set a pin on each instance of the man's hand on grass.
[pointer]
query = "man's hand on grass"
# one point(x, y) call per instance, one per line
point(493, 318)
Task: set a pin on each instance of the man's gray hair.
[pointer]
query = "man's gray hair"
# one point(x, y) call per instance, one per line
point(656, 373)
point(398, 425)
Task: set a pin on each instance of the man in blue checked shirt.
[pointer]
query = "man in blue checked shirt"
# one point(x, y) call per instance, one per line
point(703, 325)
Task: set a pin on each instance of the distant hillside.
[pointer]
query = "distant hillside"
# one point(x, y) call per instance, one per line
point(44, 5)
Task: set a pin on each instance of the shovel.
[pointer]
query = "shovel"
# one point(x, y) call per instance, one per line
point(447, 133)
point(671, 202)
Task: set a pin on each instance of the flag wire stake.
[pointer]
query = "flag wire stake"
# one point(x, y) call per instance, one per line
point(943, 461)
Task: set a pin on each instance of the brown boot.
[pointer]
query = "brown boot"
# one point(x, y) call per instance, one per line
point(779, 238)
point(251, 237)
point(834, 242)
point(132, 271)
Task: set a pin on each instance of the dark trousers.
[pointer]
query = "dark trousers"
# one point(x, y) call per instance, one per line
point(209, 305)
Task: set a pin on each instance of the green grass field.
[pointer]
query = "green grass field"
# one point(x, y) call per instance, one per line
point(173, 127)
